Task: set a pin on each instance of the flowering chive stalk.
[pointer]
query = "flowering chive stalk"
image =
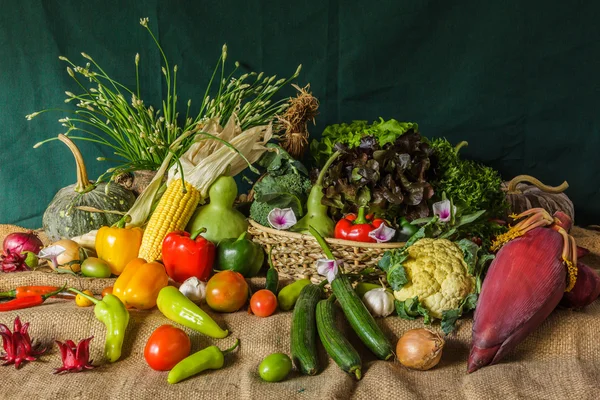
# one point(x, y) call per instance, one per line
point(109, 113)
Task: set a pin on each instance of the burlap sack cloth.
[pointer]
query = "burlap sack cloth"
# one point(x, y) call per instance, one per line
point(559, 360)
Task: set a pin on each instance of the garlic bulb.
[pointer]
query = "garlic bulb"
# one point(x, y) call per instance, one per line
point(379, 302)
point(194, 289)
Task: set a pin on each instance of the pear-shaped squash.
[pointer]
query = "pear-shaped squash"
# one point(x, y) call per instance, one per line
point(533, 194)
point(220, 219)
point(64, 219)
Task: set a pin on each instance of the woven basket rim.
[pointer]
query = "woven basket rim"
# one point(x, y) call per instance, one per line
point(340, 242)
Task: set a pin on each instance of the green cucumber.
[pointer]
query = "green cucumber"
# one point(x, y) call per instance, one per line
point(304, 330)
point(288, 296)
point(361, 321)
point(336, 345)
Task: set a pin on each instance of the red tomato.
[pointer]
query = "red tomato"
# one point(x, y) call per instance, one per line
point(226, 291)
point(166, 347)
point(263, 303)
point(107, 290)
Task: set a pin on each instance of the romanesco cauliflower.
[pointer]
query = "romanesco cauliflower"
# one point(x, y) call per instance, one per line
point(437, 274)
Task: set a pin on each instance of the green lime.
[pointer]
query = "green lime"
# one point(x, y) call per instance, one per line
point(275, 367)
point(95, 268)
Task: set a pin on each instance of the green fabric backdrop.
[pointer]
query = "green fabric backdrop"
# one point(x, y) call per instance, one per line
point(517, 79)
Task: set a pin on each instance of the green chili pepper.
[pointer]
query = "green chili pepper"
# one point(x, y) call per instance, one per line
point(240, 255)
point(272, 282)
point(209, 358)
point(178, 308)
point(113, 314)
point(316, 214)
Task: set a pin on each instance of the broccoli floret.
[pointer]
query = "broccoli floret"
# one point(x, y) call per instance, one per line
point(259, 212)
point(294, 184)
point(290, 190)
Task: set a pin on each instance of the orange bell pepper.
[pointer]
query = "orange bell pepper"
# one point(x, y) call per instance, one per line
point(140, 282)
point(118, 245)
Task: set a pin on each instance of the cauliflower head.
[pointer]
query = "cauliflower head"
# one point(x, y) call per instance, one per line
point(437, 274)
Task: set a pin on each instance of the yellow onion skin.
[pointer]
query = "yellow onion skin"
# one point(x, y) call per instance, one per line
point(420, 349)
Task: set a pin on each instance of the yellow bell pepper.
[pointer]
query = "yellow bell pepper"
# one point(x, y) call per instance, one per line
point(118, 245)
point(140, 282)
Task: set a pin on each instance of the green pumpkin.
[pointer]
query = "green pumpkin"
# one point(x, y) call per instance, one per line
point(63, 218)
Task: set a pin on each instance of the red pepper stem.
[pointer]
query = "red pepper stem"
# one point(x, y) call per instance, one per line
point(360, 217)
point(10, 293)
point(237, 343)
point(90, 298)
point(242, 236)
point(54, 293)
point(197, 233)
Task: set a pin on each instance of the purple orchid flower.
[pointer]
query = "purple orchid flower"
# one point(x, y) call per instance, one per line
point(382, 234)
point(443, 211)
point(282, 219)
point(328, 268)
point(51, 253)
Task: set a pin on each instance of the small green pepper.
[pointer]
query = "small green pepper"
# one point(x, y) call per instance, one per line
point(363, 287)
point(178, 308)
point(316, 213)
point(240, 255)
point(272, 282)
point(113, 314)
point(208, 358)
point(288, 295)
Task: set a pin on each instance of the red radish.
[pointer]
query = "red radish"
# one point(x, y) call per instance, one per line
point(586, 289)
point(19, 242)
point(524, 284)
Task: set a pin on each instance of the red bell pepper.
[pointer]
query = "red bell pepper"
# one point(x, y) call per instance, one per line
point(186, 255)
point(357, 227)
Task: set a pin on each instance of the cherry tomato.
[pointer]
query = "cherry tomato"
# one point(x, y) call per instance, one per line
point(263, 303)
point(166, 347)
point(107, 290)
point(226, 291)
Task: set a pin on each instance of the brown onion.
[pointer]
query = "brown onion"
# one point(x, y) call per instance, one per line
point(420, 349)
point(19, 242)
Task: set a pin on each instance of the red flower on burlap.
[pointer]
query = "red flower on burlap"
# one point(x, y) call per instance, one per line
point(13, 262)
point(74, 358)
point(17, 344)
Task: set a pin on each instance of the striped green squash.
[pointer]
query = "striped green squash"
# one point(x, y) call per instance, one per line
point(64, 219)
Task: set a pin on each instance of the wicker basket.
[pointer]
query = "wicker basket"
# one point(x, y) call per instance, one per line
point(294, 254)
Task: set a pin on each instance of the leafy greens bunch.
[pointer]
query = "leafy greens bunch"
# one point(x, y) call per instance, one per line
point(351, 135)
point(391, 180)
point(472, 186)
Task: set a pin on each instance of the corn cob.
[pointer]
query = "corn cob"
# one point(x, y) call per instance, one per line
point(173, 212)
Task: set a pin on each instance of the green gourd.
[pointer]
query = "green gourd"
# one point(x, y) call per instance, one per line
point(220, 219)
point(316, 212)
point(64, 219)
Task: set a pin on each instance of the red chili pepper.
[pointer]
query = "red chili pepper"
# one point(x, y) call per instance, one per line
point(28, 301)
point(186, 255)
point(357, 227)
point(25, 291)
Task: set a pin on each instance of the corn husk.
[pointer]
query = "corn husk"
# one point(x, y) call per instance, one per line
point(208, 159)
point(215, 150)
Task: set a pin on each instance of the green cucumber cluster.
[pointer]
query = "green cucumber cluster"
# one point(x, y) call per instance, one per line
point(312, 315)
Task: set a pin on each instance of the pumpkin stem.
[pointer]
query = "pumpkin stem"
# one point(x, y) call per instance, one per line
point(83, 183)
point(512, 185)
